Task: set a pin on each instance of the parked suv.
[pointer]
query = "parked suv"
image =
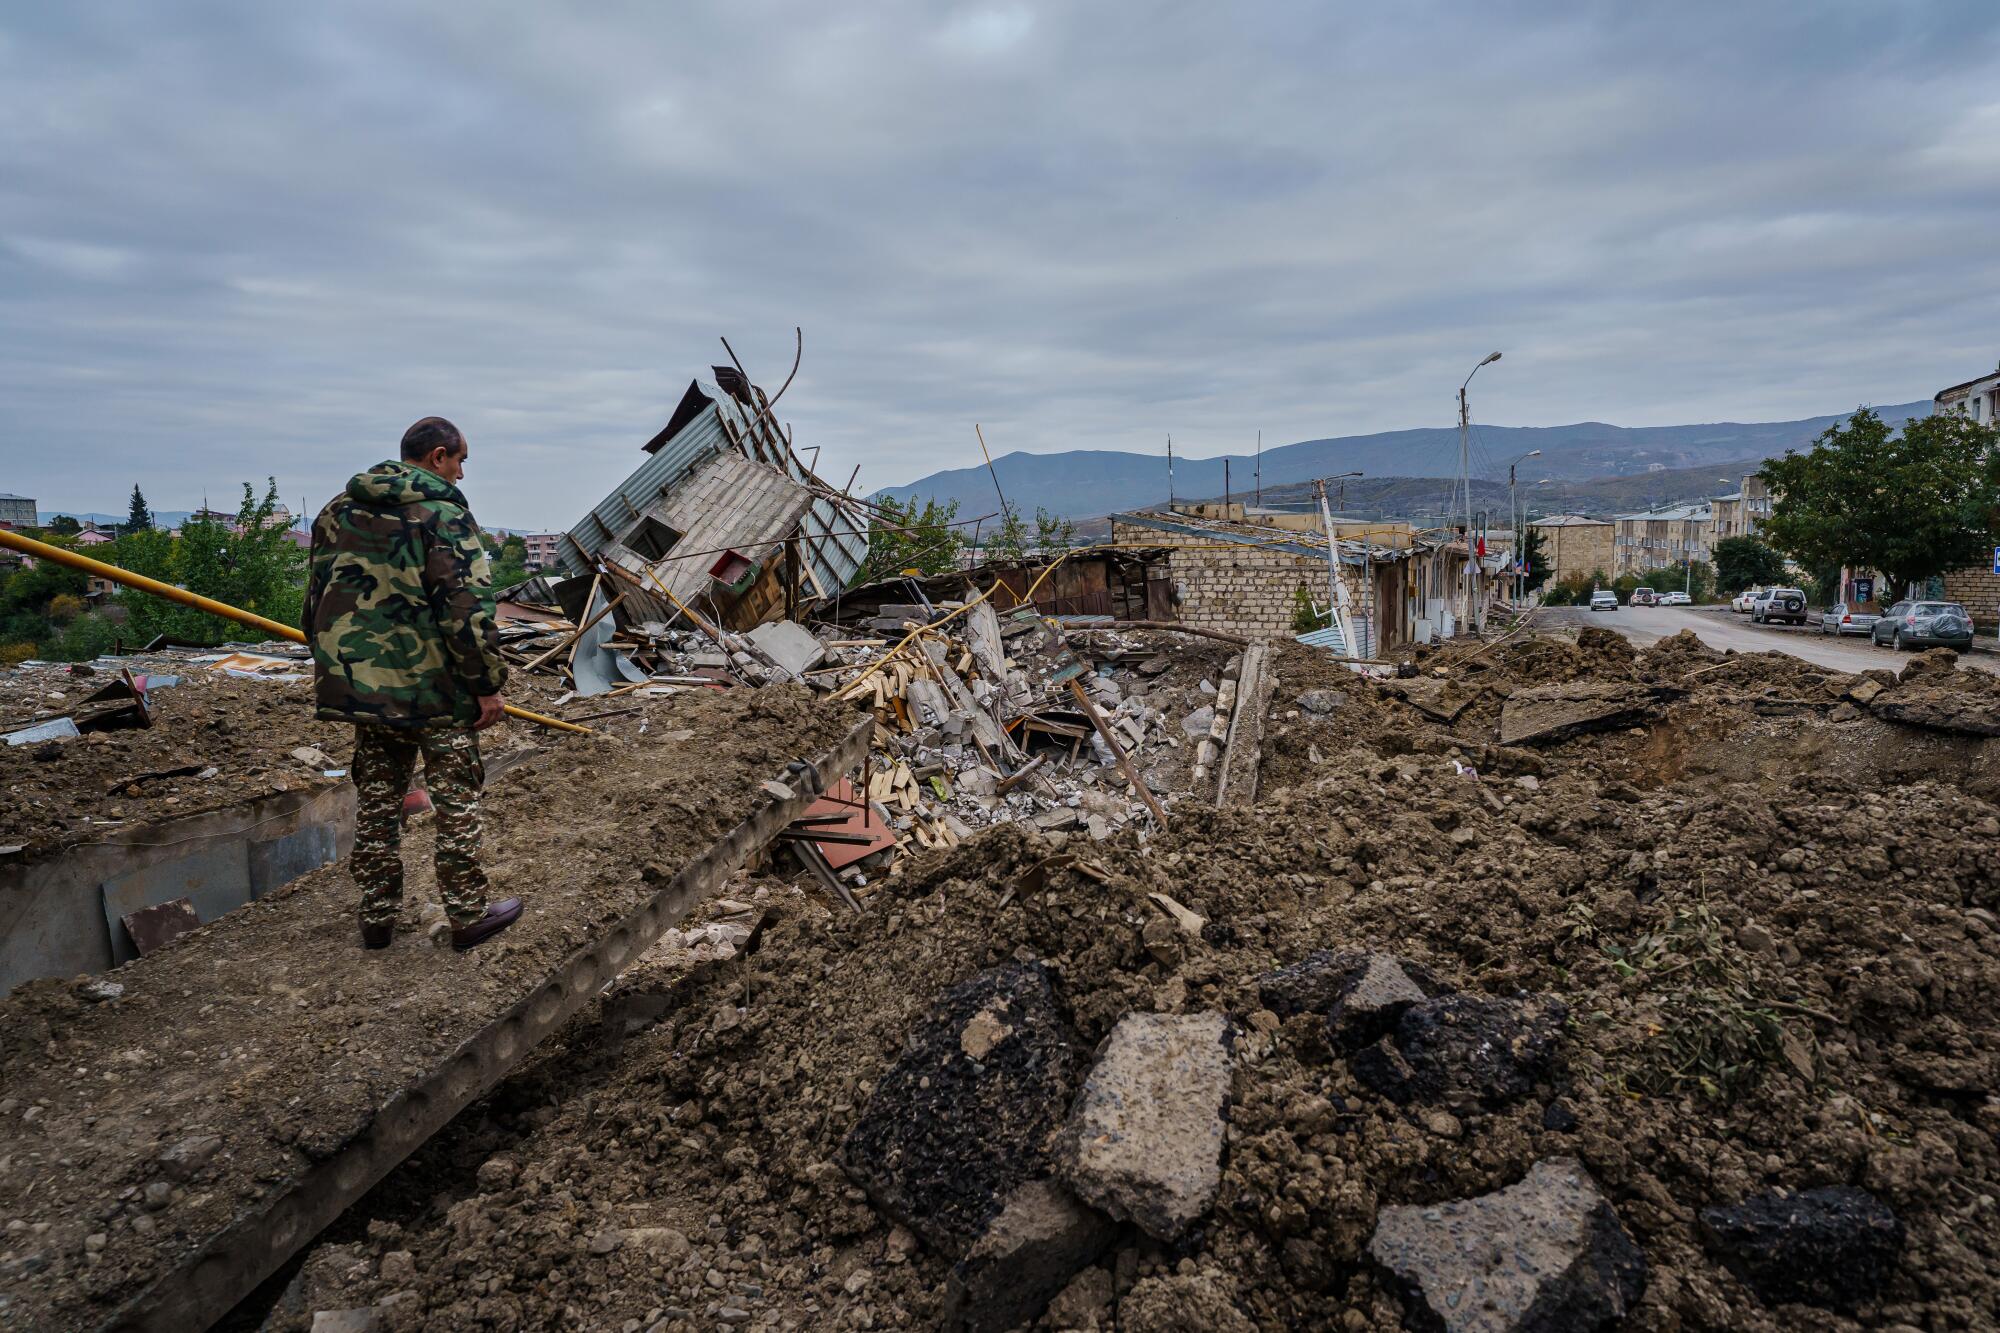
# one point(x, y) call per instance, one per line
point(1786, 604)
point(1924, 625)
point(1645, 597)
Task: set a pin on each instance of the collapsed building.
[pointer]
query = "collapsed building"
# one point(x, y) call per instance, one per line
point(1397, 585)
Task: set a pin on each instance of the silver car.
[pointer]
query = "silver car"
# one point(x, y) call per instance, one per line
point(1840, 618)
point(1924, 625)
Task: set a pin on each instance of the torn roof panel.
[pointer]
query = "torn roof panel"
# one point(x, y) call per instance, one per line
point(708, 422)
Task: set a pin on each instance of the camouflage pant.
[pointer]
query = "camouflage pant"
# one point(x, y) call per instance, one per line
point(384, 759)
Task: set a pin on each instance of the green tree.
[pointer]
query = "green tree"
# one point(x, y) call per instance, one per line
point(1530, 546)
point(1745, 562)
point(62, 525)
point(1053, 533)
point(908, 535)
point(140, 518)
point(1911, 504)
point(1009, 542)
point(251, 563)
point(510, 562)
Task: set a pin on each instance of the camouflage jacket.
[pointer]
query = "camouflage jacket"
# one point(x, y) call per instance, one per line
point(399, 606)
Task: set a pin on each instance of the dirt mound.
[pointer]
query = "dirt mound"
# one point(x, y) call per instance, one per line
point(1770, 984)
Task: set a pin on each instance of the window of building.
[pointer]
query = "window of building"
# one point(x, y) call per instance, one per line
point(651, 539)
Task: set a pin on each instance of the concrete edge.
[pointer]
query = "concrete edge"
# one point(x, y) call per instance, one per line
point(208, 1283)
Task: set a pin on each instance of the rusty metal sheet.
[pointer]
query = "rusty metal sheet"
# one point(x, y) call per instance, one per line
point(151, 927)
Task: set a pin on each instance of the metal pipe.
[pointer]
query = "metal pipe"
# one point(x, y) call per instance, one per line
point(44, 551)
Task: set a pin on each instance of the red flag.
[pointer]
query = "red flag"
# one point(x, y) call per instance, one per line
point(1482, 548)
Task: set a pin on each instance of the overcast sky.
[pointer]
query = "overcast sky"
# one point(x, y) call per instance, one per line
point(240, 239)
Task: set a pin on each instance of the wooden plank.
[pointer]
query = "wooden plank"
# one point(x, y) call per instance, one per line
point(1118, 753)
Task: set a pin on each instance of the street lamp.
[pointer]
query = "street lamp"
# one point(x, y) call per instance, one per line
point(1465, 480)
point(1515, 517)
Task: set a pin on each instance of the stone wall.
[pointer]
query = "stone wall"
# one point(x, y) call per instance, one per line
point(1579, 550)
point(1241, 589)
point(1977, 588)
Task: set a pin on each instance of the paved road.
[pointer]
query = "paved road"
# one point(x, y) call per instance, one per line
point(1725, 630)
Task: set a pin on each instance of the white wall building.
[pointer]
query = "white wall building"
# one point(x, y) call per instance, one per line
point(1978, 399)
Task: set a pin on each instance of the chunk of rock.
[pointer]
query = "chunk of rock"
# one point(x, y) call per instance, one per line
point(1830, 1247)
point(1181, 1303)
point(1961, 712)
point(184, 1158)
point(1466, 1051)
point(1548, 1253)
point(360, 1320)
point(1040, 1239)
point(1362, 994)
point(1322, 702)
point(1144, 1139)
point(1197, 723)
point(948, 1134)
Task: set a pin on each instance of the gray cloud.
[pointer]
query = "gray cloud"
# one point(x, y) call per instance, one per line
point(238, 239)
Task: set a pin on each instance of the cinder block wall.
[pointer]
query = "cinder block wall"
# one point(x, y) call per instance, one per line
point(1977, 588)
point(1243, 590)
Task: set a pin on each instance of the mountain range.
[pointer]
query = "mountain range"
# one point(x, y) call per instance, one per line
point(1086, 483)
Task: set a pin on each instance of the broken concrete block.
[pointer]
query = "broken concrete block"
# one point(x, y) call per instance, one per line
point(1832, 1247)
point(1196, 724)
point(1862, 690)
point(1144, 1139)
point(361, 1320)
point(1369, 990)
point(948, 1134)
point(1551, 712)
point(1040, 1239)
point(789, 644)
point(1548, 1253)
point(1321, 702)
point(1466, 1051)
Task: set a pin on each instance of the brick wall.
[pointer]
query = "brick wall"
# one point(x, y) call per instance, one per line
point(1977, 588)
point(1579, 550)
point(1242, 590)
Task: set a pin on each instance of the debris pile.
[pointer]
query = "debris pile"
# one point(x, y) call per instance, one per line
point(1413, 1040)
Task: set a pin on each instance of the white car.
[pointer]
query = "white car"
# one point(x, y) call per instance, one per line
point(1743, 601)
point(1676, 599)
point(1604, 600)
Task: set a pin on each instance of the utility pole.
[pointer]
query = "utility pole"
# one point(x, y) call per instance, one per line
point(1520, 537)
point(1465, 480)
point(1170, 474)
point(1225, 487)
point(1260, 469)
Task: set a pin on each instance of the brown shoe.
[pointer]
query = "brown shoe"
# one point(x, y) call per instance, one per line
point(498, 917)
point(376, 937)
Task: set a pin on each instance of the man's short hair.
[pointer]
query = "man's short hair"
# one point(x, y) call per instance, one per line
point(428, 434)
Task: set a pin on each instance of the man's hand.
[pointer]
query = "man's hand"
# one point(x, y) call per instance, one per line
point(491, 709)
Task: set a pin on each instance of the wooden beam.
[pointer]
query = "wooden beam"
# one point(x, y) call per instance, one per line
point(1118, 752)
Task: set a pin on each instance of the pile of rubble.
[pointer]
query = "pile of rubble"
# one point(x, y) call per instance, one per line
point(1445, 1030)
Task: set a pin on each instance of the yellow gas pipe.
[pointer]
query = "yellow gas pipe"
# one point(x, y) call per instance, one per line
point(44, 551)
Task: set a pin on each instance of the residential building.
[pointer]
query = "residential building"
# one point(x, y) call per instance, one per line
point(17, 511)
point(1976, 587)
point(1978, 399)
point(1577, 547)
point(1663, 538)
point(1742, 513)
point(94, 536)
point(542, 548)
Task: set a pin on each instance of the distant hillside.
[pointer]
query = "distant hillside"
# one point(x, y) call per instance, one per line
point(1088, 483)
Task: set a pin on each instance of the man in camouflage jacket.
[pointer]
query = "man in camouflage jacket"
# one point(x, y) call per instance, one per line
point(399, 614)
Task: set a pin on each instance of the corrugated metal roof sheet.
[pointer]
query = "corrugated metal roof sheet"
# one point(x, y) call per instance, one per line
point(836, 542)
point(1329, 638)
